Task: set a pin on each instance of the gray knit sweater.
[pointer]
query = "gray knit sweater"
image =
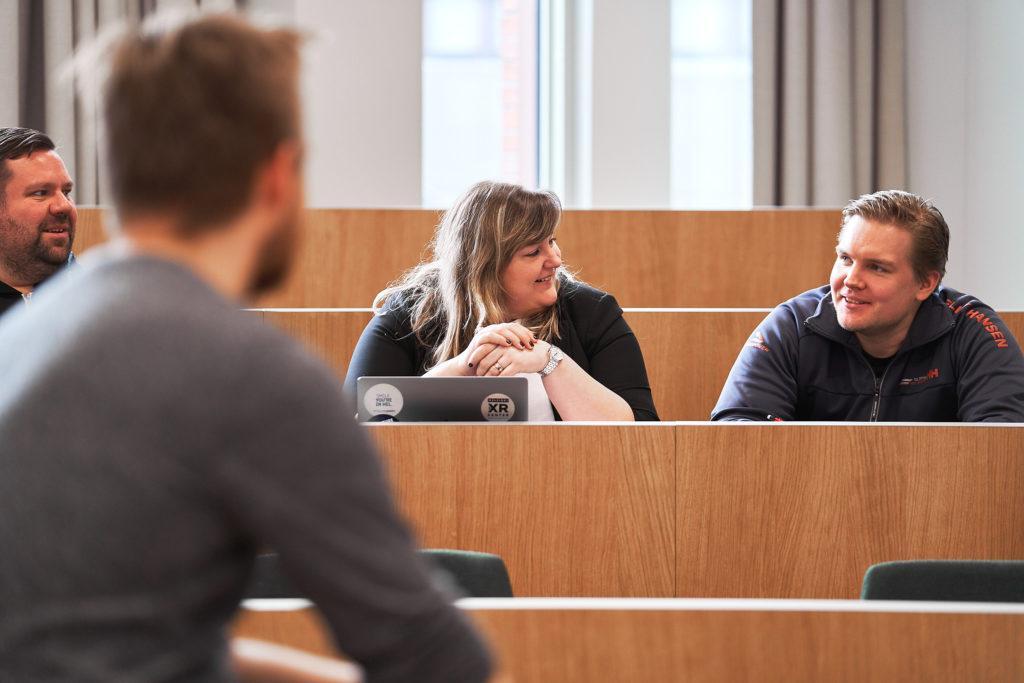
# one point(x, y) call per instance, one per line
point(152, 437)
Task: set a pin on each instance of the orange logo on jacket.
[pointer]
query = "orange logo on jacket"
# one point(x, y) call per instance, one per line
point(914, 381)
point(757, 341)
point(986, 324)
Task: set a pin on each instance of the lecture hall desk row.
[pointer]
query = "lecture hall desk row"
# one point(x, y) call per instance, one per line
point(709, 510)
point(688, 352)
point(645, 258)
point(667, 641)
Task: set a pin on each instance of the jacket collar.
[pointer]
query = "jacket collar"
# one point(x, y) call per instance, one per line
point(933, 319)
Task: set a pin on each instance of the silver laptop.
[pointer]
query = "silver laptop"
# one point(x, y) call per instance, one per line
point(442, 399)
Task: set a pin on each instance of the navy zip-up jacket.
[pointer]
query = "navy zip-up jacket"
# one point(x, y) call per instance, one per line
point(958, 363)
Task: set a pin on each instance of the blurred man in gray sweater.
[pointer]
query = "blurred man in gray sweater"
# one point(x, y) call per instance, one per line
point(153, 436)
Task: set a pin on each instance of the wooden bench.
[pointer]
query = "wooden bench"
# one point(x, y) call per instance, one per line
point(789, 510)
point(644, 258)
point(663, 641)
point(688, 352)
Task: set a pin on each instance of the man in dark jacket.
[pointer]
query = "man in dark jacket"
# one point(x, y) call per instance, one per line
point(884, 341)
point(37, 214)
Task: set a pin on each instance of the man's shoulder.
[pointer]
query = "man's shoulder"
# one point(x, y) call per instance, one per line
point(959, 303)
point(806, 303)
point(973, 319)
point(143, 313)
point(791, 314)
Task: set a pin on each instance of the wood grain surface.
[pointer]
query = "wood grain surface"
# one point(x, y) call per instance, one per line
point(749, 511)
point(751, 258)
point(801, 511)
point(594, 645)
point(688, 352)
point(573, 510)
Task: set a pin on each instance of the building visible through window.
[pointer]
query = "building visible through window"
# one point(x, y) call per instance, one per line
point(479, 95)
point(712, 104)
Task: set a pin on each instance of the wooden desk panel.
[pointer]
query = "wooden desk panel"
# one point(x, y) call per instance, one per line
point(663, 259)
point(688, 352)
point(760, 511)
point(331, 334)
point(645, 258)
point(676, 640)
point(594, 646)
point(786, 511)
point(90, 230)
point(574, 510)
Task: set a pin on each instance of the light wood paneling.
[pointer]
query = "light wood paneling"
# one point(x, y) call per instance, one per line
point(573, 510)
point(688, 352)
point(89, 231)
point(801, 511)
point(331, 334)
point(348, 255)
point(645, 258)
point(701, 258)
point(758, 511)
point(678, 641)
point(594, 646)
point(301, 627)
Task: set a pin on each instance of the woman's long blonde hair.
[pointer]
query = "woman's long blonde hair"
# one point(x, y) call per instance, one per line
point(460, 289)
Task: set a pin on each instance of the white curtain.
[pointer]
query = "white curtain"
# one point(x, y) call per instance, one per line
point(829, 100)
point(37, 37)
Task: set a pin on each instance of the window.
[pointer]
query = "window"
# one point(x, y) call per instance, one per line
point(712, 104)
point(479, 95)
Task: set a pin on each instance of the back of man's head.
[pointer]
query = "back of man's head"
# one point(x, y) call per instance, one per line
point(912, 213)
point(191, 110)
point(16, 143)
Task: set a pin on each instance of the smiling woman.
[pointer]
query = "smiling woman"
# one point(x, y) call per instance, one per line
point(496, 300)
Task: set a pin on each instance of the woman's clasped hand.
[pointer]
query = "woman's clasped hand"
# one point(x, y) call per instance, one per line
point(504, 349)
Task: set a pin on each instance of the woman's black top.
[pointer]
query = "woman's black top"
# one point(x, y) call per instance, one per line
point(593, 333)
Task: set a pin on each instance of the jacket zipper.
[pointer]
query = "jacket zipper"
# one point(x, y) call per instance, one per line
point(876, 400)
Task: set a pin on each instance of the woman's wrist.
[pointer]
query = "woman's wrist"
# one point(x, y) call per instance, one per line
point(554, 358)
point(452, 367)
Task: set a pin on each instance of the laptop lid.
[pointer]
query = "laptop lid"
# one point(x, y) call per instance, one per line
point(442, 399)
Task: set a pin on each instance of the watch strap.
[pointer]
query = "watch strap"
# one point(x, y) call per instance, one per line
point(555, 357)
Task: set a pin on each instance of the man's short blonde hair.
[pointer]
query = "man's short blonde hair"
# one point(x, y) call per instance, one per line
point(927, 227)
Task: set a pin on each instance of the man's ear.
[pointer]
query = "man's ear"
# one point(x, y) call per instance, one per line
point(279, 179)
point(928, 285)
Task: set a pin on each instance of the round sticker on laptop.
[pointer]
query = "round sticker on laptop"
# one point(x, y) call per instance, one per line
point(498, 408)
point(383, 399)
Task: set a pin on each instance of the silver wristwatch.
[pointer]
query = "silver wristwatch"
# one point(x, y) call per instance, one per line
point(555, 357)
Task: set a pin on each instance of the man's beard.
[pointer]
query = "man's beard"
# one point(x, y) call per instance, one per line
point(276, 256)
point(38, 261)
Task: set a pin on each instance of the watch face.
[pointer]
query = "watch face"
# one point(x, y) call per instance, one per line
point(555, 356)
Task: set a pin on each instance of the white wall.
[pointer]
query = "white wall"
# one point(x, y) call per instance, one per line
point(9, 80)
point(966, 139)
point(965, 108)
point(630, 106)
point(361, 90)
